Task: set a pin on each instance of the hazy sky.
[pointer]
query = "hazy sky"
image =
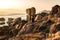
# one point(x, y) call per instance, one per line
point(19, 6)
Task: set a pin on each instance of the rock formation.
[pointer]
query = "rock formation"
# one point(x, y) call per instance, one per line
point(41, 26)
point(31, 14)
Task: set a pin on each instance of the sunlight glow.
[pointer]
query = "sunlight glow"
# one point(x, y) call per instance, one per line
point(20, 6)
point(5, 4)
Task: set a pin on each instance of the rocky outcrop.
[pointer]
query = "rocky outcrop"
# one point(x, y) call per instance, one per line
point(37, 27)
point(31, 36)
point(55, 9)
point(54, 28)
point(27, 28)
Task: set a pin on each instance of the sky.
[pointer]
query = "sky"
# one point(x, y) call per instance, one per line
point(19, 6)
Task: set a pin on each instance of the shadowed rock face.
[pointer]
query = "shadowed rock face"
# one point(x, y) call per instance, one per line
point(32, 27)
point(55, 9)
point(41, 16)
point(2, 19)
point(55, 28)
point(27, 28)
point(38, 17)
point(17, 21)
point(30, 36)
point(46, 26)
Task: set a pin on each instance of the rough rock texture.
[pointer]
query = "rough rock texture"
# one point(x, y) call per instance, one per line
point(45, 28)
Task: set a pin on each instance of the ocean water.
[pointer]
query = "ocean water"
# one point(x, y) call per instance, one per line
point(23, 17)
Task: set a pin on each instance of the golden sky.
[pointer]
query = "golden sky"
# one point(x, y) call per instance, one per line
point(19, 6)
